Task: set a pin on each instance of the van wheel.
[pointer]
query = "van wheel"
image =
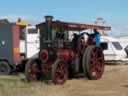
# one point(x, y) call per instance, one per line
point(5, 69)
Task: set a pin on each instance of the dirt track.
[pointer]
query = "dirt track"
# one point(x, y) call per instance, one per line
point(113, 83)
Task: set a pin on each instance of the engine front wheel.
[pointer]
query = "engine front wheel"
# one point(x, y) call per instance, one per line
point(32, 70)
point(59, 72)
point(93, 62)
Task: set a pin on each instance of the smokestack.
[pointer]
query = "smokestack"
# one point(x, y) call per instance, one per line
point(48, 21)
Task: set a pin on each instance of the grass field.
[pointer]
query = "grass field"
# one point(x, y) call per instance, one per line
point(113, 83)
point(16, 86)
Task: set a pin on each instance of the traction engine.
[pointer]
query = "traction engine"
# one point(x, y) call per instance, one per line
point(61, 58)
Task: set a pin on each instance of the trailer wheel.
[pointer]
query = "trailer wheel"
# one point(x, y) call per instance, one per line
point(59, 72)
point(5, 69)
point(93, 62)
point(32, 70)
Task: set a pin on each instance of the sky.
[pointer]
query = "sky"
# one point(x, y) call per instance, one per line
point(114, 12)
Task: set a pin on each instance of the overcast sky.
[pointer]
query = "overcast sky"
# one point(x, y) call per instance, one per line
point(115, 12)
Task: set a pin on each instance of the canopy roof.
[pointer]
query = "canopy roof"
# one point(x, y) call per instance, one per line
point(74, 26)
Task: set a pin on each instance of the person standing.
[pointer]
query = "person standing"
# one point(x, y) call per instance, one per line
point(94, 38)
point(97, 38)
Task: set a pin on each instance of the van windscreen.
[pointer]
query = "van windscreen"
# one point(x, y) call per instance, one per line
point(117, 45)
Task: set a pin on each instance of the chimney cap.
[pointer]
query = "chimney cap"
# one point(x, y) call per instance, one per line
point(48, 18)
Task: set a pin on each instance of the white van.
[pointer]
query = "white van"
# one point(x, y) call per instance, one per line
point(113, 51)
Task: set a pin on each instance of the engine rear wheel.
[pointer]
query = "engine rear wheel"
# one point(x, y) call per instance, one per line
point(59, 72)
point(93, 62)
point(5, 69)
point(32, 70)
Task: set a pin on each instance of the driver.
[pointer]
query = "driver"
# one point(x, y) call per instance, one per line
point(96, 37)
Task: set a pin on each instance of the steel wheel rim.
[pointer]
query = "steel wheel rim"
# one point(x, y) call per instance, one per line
point(32, 71)
point(60, 73)
point(96, 66)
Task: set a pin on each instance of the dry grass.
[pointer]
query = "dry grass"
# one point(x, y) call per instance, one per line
point(113, 83)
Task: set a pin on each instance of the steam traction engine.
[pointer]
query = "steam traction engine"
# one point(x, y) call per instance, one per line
point(60, 58)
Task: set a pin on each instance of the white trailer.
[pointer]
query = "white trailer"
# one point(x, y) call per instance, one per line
point(30, 46)
point(32, 41)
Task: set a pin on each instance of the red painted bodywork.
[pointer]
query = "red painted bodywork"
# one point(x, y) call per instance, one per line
point(16, 43)
point(66, 54)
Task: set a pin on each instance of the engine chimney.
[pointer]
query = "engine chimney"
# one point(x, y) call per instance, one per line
point(48, 21)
